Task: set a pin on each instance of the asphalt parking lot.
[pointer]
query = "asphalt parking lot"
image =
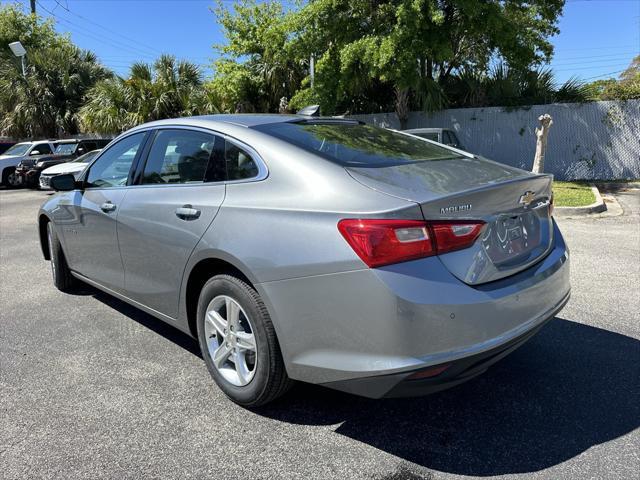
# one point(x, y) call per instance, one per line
point(93, 388)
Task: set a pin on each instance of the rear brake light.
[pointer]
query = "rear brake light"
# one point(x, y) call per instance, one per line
point(384, 242)
point(429, 372)
point(451, 236)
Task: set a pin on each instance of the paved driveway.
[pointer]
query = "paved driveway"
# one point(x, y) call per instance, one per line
point(92, 388)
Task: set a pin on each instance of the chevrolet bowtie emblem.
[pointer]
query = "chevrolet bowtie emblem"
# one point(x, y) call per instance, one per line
point(527, 197)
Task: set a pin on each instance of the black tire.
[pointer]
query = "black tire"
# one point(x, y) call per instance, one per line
point(270, 379)
point(62, 278)
point(8, 174)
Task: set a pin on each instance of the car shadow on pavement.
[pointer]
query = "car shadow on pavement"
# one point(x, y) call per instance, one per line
point(161, 328)
point(571, 387)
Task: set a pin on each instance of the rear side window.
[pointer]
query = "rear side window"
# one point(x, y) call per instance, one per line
point(178, 156)
point(240, 164)
point(356, 145)
point(428, 135)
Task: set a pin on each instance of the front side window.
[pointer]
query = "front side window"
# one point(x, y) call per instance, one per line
point(355, 145)
point(113, 166)
point(240, 164)
point(178, 156)
point(43, 149)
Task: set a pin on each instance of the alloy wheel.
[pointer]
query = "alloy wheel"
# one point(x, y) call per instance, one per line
point(230, 340)
point(13, 180)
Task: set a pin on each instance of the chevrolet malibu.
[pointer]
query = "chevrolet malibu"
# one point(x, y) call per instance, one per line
point(314, 249)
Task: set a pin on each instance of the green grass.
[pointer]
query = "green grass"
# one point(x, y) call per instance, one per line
point(572, 194)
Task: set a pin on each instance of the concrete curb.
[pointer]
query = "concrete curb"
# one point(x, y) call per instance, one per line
point(596, 207)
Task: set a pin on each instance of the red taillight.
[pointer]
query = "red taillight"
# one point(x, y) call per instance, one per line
point(383, 242)
point(429, 372)
point(455, 235)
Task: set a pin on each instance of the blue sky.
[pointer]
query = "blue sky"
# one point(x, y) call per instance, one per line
point(597, 39)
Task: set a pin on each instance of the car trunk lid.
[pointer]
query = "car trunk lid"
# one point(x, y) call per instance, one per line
point(513, 203)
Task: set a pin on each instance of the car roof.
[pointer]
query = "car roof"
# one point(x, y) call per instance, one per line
point(242, 119)
point(425, 130)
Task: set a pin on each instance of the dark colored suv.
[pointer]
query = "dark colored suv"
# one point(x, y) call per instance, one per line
point(66, 150)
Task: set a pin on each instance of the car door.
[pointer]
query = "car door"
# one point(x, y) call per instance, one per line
point(178, 193)
point(91, 238)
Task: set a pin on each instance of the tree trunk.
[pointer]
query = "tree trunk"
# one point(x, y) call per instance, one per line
point(541, 142)
point(402, 106)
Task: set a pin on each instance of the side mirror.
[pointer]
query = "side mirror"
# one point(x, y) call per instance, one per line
point(63, 183)
point(35, 152)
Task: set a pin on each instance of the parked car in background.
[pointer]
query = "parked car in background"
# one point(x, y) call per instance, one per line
point(4, 146)
point(445, 136)
point(29, 169)
point(74, 167)
point(315, 249)
point(10, 159)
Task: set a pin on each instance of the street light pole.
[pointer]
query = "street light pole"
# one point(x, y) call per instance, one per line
point(19, 51)
point(33, 6)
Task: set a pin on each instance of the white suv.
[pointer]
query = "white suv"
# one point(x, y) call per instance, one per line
point(14, 155)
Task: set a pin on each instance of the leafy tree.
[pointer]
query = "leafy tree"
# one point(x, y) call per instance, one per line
point(45, 101)
point(30, 30)
point(416, 46)
point(166, 89)
point(257, 67)
point(504, 86)
point(627, 86)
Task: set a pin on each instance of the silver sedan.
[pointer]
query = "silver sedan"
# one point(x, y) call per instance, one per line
point(314, 249)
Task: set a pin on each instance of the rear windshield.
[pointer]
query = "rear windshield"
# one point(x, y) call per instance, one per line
point(356, 145)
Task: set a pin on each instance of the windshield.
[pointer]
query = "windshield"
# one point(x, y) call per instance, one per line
point(356, 145)
point(86, 158)
point(18, 149)
point(66, 148)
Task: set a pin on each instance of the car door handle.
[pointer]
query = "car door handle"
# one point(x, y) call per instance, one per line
point(187, 212)
point(107, 207)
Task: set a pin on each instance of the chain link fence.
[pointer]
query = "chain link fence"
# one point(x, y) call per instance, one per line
point(590, 141)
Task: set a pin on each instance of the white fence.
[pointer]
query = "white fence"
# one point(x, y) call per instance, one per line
point(594, 141)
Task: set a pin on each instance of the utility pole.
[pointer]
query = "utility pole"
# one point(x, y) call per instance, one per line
point(312, 69)
point(33, 6)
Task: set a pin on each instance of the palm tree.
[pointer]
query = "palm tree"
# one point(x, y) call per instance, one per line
point(166, 89)
point(46, 101)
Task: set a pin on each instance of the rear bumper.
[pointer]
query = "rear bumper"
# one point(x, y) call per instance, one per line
point(366, 331)
point(456, 372)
